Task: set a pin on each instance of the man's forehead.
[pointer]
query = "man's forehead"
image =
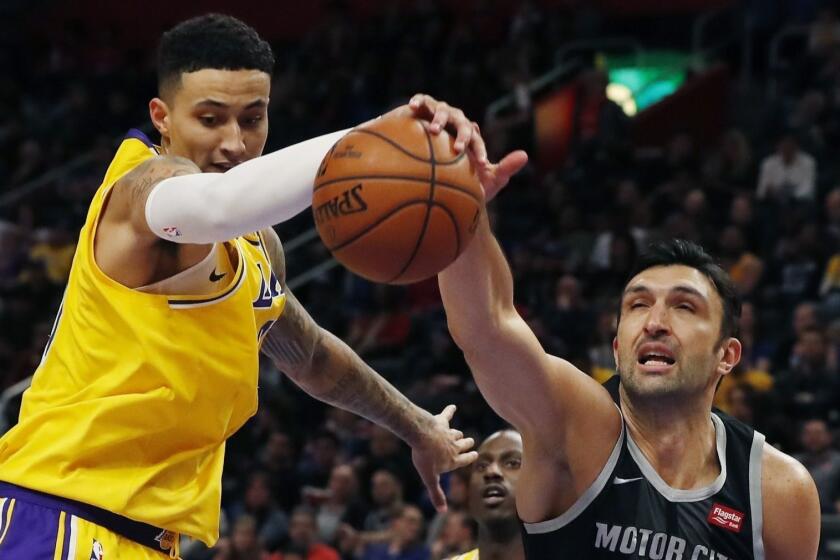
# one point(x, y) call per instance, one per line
point(667, 278)
point(225, 85)
point(501, 442)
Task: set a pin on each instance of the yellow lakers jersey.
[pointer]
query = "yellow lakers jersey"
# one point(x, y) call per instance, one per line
point(137, 392)
point(471, 555)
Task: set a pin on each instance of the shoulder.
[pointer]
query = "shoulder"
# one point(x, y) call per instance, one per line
point(791, 508)
point(782, 474)
point(128, 198)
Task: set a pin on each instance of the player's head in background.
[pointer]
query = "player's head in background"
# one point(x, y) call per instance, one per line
point(677, 325)
point(214, 79)
point(492, 487)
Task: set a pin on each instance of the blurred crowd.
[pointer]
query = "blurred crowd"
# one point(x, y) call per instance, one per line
point(304, 481)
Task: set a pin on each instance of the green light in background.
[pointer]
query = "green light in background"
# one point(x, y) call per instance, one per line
point(637, 82)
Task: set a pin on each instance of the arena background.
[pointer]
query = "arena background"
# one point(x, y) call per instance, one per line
point(643, 122)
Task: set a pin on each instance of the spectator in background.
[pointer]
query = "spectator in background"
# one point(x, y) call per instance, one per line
point(822, 462)
point(789, 174)
point(458, 535)
point(243, 544)
point(456, 501)
point(569, 320)
point(387, 497)
point(405, 541)
point(831, 228)
point(810, 386)
point(751, 371)
point(804, 317)
point(54, 248)
point(321, 455)
point(493, 498)
point(731, 164)
point(303, 536)
point(271, 522)
point(384, 327)
point(341, 504)
point(599, 125)
point(824, 33)
point(279, 460)
point(385, 451)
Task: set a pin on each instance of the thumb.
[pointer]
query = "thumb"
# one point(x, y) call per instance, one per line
point(495, 178)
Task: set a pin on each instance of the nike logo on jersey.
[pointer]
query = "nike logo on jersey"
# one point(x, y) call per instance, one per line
point(216, 277)
point(619, 480)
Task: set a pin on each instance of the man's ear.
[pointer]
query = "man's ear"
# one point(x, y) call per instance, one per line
point(159, 113)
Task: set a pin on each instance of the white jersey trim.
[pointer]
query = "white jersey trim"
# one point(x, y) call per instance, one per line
point(586, 498)
point(677, 494)
point(756, 502)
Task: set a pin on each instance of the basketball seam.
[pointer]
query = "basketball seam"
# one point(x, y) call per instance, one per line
point(367, 230)
point(379, 221)
point(445, 184)
point(454, 225)
point(381, 136)
point(432, 164)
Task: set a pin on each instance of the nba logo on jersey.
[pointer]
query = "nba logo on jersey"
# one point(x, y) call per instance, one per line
point(98, 553)
point(726, 517)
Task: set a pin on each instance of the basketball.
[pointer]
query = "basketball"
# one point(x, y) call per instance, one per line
point(394, 203)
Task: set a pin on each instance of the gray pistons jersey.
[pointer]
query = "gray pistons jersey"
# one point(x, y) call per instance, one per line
point(630, 512)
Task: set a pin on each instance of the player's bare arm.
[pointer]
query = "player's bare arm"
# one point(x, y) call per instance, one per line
point(126, 249)
point(791, 508)
point(326, 368)
point(555, 406)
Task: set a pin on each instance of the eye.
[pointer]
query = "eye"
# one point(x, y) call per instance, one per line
point(252, 121)
point(637, 304)
point(208, 120)
point(481, 466)
point(686, 306)
point(513, 463)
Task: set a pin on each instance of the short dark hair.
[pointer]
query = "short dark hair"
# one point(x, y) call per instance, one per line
point(673, 252)
point(211, 41)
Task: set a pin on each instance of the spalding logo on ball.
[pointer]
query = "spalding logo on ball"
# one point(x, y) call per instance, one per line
point(395, 203)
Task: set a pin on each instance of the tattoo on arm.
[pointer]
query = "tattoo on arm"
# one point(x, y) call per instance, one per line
point(329, 370)
point(135, 186)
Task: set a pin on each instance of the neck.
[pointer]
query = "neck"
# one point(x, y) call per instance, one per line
point(676, 436)
point(501, 541)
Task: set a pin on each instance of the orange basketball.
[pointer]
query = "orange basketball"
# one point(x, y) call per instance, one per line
point(395, 203)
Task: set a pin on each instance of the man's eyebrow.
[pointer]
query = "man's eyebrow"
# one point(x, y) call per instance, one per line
point(688, 290)
point(221, 105)
point(641, 288)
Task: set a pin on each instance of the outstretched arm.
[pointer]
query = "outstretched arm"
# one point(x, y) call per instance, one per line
point(326, 368)
point(542, 395)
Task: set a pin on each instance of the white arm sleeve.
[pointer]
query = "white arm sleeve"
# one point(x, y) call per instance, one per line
point(215, 207)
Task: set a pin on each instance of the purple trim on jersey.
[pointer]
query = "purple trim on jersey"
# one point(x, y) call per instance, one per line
point(65, 547)
point(141, 533)
point(139, 135)
point(32, 532)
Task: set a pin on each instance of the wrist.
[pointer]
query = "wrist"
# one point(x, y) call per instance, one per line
point(420, 424)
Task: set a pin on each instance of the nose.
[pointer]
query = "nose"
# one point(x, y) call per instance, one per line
point(492, 472)
point(656, 323)
point(233, 142)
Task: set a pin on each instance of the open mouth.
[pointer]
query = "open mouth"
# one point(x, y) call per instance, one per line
point(494, 494)
point(655, 356)
point(654, 359)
